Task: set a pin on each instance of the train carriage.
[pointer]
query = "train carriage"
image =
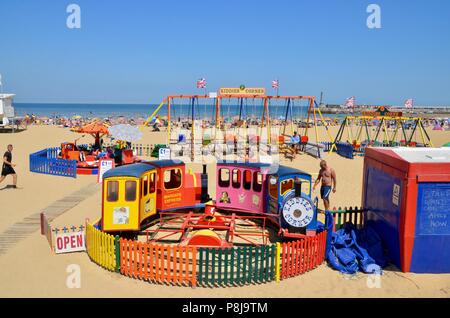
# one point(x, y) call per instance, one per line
point(129, 197)
point(176, 187)
point(240, 186)
point(134, 193)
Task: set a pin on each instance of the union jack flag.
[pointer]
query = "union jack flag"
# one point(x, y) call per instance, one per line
point(275, 84)
point(201, 83)
point(409, 103)
point(350, 102)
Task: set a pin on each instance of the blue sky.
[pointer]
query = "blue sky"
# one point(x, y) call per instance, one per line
point(139, 51)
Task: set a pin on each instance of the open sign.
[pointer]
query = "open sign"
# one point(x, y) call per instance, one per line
point(70, 242)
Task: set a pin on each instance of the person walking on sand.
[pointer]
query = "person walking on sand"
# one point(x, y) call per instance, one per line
point(328, 177)
point(8, 166)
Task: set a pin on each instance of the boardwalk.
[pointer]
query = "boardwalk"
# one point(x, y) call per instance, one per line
point(30, 224)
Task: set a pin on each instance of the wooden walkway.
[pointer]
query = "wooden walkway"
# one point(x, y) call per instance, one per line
point(30, 224)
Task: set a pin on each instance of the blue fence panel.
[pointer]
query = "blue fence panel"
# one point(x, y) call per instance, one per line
point(46, 161)
point(345, 150)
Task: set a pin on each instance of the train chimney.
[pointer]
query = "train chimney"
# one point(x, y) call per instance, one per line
point(298, 187)
point(204, 178)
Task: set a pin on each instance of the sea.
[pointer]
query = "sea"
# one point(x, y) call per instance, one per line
point(201, 111)
point(204, 111)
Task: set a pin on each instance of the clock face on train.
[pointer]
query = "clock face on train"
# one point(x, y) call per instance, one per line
point(298, 212)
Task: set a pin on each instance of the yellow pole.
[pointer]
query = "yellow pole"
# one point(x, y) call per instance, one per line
point(153, 114)
point(326, 128)
point(277, 262)
point(315, 123)
point(386, 137)
point(349, 134)
point(421, 131)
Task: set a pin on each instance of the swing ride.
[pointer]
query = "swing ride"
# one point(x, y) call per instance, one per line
point(382, 128)
point(238, 119)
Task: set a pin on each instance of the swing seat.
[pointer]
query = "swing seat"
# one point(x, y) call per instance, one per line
point(304, 140)
point(230, 138)
point(281, 140)
point(413, 144)
point(356, 145)
point(253, 139)
point(181, 138)
point(206, 140)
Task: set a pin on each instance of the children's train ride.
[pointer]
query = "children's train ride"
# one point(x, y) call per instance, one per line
point(135, 194)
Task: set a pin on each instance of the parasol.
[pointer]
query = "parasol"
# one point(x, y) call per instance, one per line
point(125, 132)
point(95, 129)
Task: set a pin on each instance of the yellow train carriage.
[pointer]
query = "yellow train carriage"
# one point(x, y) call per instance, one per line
point(129, 197)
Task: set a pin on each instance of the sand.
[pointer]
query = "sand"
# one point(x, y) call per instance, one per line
point(30, 269)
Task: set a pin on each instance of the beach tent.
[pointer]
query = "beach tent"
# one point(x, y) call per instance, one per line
point(446, 144)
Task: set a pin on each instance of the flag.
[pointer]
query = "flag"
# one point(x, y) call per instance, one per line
point(350, 102)
point(201, 83)
point(409, 103)
point(275, 84)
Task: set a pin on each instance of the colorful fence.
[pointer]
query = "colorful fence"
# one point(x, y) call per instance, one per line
point(353, 215)
point(102, 248)
point(236, 266)
point(45, 161)
point(158, 263)
point(189, 265)
point(301, 256)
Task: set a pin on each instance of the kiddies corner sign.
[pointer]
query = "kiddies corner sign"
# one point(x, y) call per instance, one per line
point(242, 90)
point(382, 111)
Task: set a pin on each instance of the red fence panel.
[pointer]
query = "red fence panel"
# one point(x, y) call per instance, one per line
point(158, 263)
point(302, 255)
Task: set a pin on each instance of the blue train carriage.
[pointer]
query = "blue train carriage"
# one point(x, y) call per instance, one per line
point(289, 196)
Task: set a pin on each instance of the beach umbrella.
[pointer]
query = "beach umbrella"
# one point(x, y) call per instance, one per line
point(125, 132)
point(96, 129)
point(77, 117)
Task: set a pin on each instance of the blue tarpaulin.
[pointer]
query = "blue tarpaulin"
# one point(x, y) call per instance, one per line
point(352, 250)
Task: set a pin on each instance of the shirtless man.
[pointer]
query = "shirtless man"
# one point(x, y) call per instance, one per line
point(328, 177)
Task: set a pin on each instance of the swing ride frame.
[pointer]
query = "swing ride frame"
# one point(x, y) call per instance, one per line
point(381, 127)
point(313, 113)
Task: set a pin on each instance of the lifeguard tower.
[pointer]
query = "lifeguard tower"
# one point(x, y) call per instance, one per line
point(7, 114)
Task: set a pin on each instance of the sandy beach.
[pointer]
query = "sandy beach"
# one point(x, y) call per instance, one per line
point(30, 269)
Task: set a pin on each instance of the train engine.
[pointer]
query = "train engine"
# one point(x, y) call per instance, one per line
point(283, 194)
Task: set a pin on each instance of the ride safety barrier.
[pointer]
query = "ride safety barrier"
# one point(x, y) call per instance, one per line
point(301, 256)
point(102, 248)
point(45, 161)
point(236, 265)
point(158, 263)
point(203, 266)
point(353, 215)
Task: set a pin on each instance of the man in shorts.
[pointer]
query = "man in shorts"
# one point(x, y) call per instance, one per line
point(328, 177)
point(295, 144)
point(8, 167)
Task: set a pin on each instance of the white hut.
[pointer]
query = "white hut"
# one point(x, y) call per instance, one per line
point(6, 107)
